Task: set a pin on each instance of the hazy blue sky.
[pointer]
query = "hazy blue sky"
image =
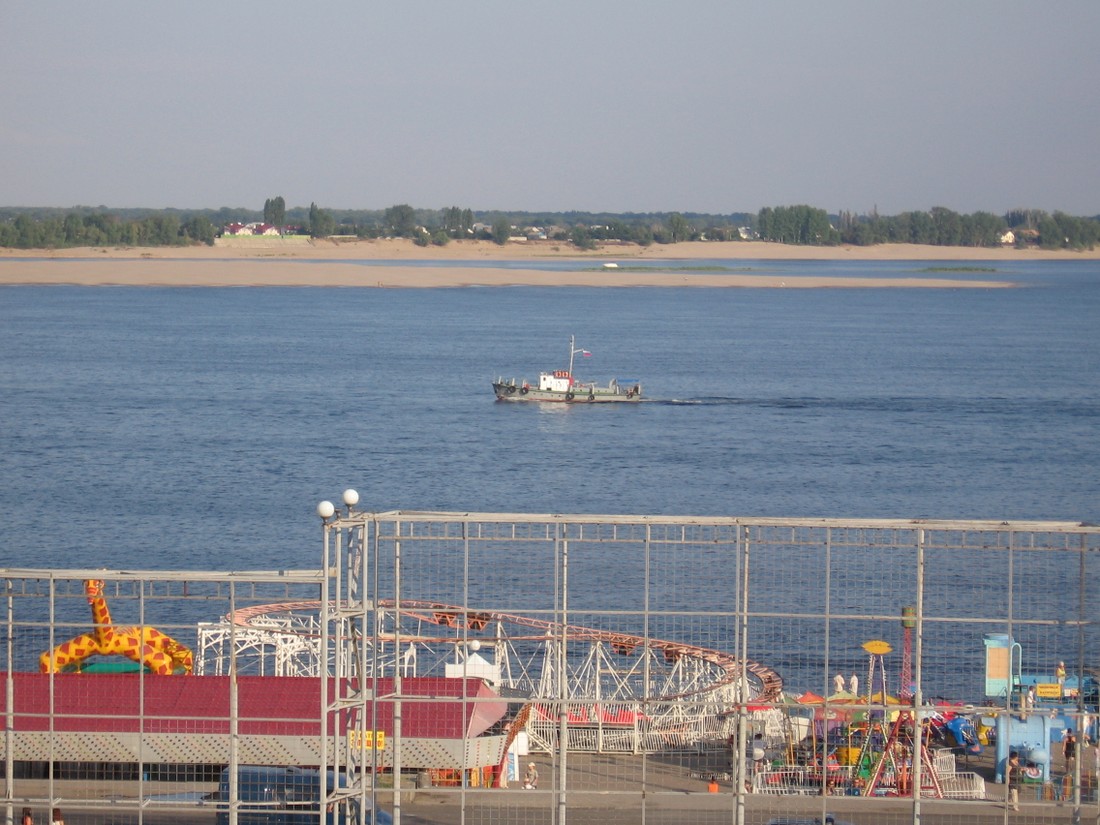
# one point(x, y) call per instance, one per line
point(712, 106)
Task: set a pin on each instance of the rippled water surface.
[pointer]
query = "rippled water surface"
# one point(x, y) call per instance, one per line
point(197, 428)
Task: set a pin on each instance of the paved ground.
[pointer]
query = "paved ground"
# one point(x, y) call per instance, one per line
point(675, 793)
point(603, 791)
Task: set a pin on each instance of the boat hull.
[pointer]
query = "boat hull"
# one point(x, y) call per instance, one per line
point(588, 395)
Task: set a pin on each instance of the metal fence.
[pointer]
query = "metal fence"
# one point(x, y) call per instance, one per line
point(648, 669)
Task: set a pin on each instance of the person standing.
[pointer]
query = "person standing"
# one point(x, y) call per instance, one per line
point(531, 778)
point(758, 754)
point(1012, 781)
point(853, 685)
point(28, 819)
point(1060, 678)
point(838, 683)
point(1069, 751)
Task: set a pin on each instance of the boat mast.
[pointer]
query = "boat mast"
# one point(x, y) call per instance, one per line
point(572, 352)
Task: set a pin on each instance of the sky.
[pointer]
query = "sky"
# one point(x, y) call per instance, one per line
point(715, 106)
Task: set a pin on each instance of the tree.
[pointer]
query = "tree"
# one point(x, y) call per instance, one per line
point(948, 226)
point(502, 230)
point(922, 229)
point(802, 225)
point(1078, 233)
point(1024, 218)
point(1050, 233)
point(198, 228)
point(581, 237)
point(28, 233)
point(678, 228)
point(321, 222)
point(401, 219)
point(74, 229)
point(162, 230)
point(275, 211)
point(982, 229)
point(457, 222)
point(641, 235)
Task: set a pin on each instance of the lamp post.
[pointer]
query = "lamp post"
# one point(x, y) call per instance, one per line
point(326, 510)
point(351, 498)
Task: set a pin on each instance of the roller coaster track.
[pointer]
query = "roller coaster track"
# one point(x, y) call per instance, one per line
point(765, 684)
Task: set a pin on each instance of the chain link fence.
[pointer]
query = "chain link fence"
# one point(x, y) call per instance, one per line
point(629, 669)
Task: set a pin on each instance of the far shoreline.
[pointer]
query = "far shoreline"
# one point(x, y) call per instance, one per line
point(286, 262)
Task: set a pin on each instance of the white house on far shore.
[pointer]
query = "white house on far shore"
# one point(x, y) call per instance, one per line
point(254, 228)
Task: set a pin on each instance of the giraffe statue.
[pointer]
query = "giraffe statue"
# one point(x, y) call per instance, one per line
point(145, 645)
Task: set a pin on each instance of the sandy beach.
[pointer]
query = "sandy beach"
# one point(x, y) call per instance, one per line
point(333, 263)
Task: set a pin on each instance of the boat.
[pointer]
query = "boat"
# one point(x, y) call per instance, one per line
point(562, 386)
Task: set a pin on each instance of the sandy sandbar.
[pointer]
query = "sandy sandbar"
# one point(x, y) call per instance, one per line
point(301, 262)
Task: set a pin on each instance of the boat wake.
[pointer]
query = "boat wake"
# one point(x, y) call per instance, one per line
point(912, 405)
point(695, 402)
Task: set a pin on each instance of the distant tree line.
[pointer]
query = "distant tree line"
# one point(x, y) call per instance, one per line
point(796, 225)
point(943, 227)
point(937, 227)
point(27, 228)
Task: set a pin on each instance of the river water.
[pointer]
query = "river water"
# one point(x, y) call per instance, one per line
point(197, 428)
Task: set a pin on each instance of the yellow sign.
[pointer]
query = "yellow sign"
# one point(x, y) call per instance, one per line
point(367, 740)
point(1048, 690)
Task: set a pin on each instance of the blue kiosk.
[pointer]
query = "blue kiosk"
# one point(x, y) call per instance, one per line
point(1033, 731)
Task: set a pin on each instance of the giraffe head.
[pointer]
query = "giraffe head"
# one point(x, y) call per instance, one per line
point(93, 588)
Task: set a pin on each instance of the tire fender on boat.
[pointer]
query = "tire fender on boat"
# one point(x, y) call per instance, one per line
point(512, 390)
point(569, 396)
point(591, 396)
point(630, 393)
point(523, 390)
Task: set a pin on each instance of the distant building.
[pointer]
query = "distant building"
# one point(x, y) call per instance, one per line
point(254, 228)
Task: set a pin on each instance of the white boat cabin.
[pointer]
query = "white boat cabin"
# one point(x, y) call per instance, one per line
point(556, 381)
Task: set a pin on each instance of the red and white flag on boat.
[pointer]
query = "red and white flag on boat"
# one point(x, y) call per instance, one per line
point(586, 353)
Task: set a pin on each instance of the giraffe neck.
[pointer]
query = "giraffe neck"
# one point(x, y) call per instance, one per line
point(101, 614)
